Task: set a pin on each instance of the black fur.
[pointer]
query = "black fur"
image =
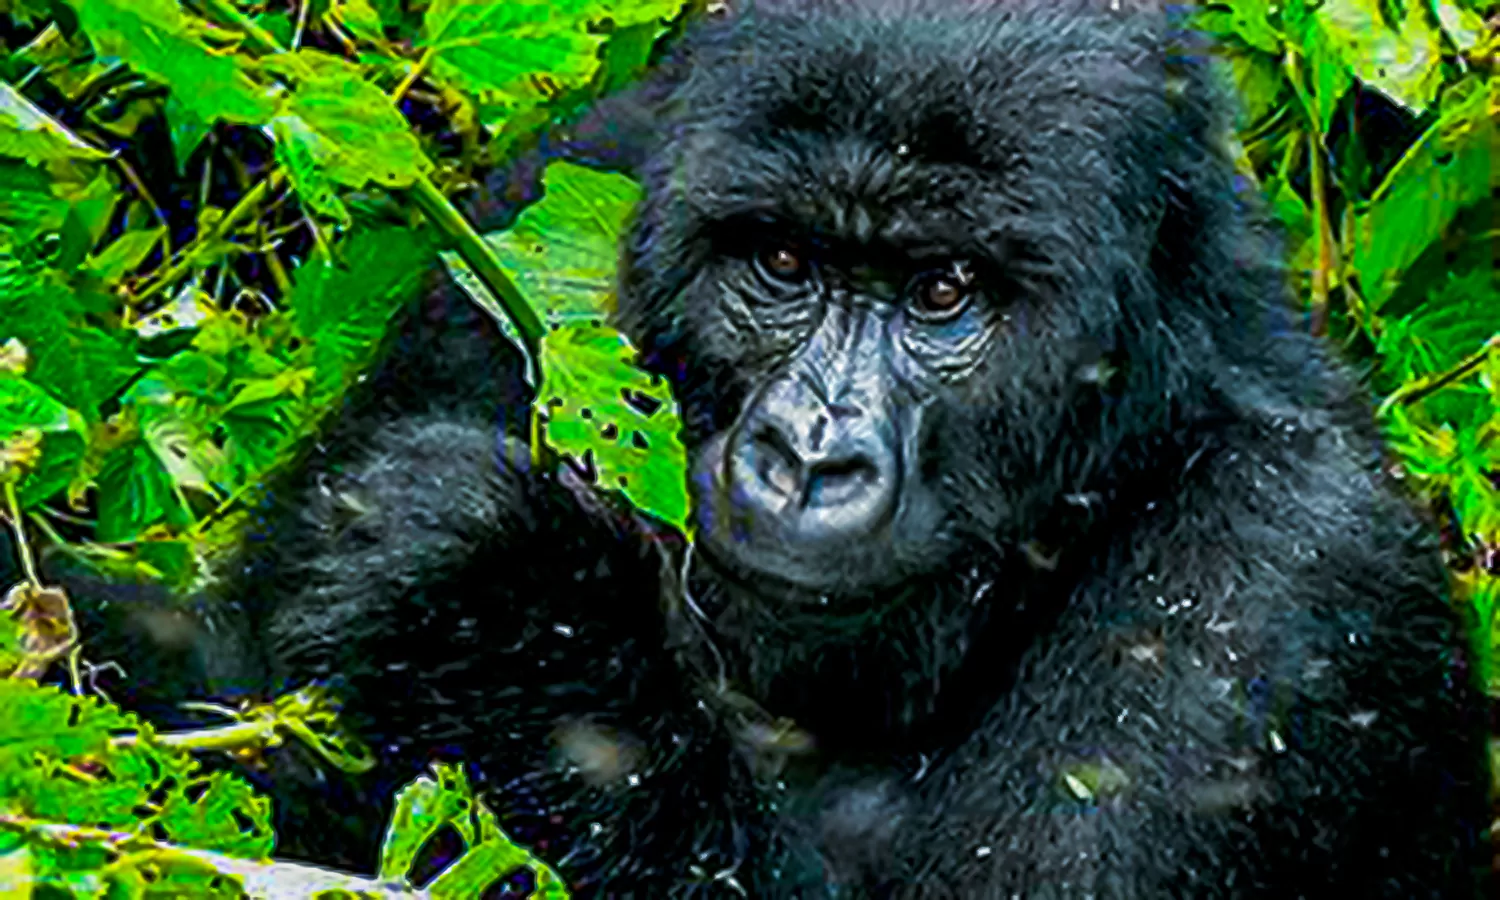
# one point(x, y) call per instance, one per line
point(1166, 629)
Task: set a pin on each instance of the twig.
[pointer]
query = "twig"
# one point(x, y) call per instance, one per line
point(301, 23)
point(145, 192)
point(418, 69)
point(241, 210)
point(1414, 391)
point(261, 879)
point(23, 548)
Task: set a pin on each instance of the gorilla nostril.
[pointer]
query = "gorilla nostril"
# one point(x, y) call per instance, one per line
point(776, 463)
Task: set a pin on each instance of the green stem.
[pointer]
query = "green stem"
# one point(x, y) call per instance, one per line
point(241, 210)
point(225, 11)
point(23, 547)
point(1423, 387)
point(481, 259)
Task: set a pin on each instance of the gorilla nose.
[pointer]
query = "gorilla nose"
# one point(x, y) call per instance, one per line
point(826, 480)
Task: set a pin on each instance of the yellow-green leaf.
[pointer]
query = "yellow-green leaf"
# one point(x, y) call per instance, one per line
point(348, 127)
point(26, 132)
point(153, 37)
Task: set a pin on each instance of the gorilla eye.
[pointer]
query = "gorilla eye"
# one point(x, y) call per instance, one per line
point(783, 264)
point(942, 295)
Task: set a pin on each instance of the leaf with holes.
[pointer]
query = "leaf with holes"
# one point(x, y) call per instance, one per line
point(601, 409)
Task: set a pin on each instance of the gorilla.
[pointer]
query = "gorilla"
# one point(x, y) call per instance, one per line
point(1035, 551)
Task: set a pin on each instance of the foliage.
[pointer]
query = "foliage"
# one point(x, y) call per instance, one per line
point(211, 213)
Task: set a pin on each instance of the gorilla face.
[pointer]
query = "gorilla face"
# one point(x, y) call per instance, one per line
point(879, 317)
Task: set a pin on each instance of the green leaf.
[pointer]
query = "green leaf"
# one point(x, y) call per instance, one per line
point(1250, 22)
point(592, 395)
point(76, 362)
point(346, 127)
point(489, 44)
point(26, 132)
point(563, 251)
point(625, 13)
point(1262, 87)
point(445, 798)
point(187, 128)
point(154, 38)
point(562, 254)
point(220, 812)
point(136, 491)
point(1465, 26)
point(24, 407)
point(361, 18)
point(28, 207)
point(294, 143)
point(1403, 64)
point(124, 255)
point(59, 762)
point(345, 310)
point(1451, 166)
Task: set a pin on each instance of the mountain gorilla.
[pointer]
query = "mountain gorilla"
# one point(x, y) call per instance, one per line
point(1036, 553)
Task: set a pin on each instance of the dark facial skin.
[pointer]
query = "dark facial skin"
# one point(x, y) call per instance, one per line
point(815, 484)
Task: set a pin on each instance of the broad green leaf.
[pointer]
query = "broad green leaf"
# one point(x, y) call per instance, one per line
point(445, 797)
point(1262, 87)
point(1329, 76)
point(361, 18)
point(488, 45)
point(78, 363)
point(1403, 62)
point(344, 310)
point(30, 134)
point(294, 143)
point(563, 251)
point(1465, 26)
point(1452, 165)
point(187, 128)
point(1250, 22)
point(346, 127)
point(211, 812)
point(626, 54)
point(28, 207)
point(58, 762)
point(26, 408)
point(155, 38)
point(90, 208)
point(422, 808)
point(136, 491)
point(627, 13)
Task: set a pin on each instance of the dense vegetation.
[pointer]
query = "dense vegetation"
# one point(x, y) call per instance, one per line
point(211, 212)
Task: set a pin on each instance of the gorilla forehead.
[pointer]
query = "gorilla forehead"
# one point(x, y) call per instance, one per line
point(804, 113)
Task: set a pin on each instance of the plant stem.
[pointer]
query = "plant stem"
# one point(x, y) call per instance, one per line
point(241, 210)
point(481, 259)
point(23, 548)
point(1411, 392)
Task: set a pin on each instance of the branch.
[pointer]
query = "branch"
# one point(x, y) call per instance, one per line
point(262, 879)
